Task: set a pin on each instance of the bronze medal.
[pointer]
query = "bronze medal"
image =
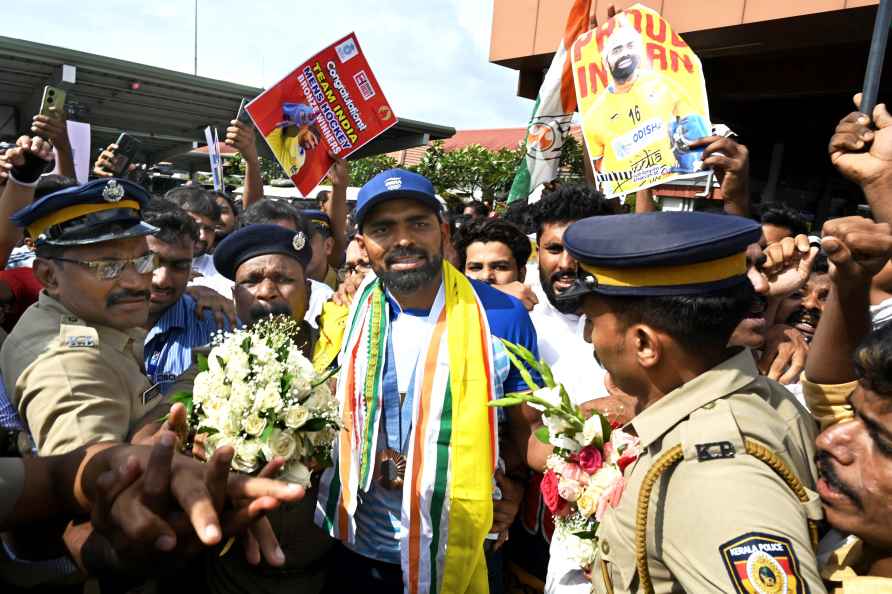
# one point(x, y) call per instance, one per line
point(391, 469)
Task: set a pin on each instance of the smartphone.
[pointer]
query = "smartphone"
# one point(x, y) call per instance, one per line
point(126, 151)
point(52, 97)
point(243, 115)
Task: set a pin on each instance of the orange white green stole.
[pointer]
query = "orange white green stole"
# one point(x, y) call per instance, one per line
point(447, 491)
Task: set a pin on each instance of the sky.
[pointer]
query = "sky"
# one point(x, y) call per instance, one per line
point(431, 57)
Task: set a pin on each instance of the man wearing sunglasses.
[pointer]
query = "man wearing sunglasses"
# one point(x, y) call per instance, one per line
point(73, 366)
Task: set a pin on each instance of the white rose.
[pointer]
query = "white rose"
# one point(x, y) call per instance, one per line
point(569, 489)
point(322, 438)
point(268, 398)
point(593, 431)
point(281, 443)
point(550, 395)
point(214, 442)
point(296, 416)
point(254, 424)
point(247, 454)
point(555, 424)
point(296, 472)
point(564, 443)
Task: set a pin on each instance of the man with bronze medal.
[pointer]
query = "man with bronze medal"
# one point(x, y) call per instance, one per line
point(410, 496)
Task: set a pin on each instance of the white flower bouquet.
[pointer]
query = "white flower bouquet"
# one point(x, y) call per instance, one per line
point(584, 475)
point(257, 392)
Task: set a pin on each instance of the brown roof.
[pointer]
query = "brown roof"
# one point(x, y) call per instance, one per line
point(489, 138)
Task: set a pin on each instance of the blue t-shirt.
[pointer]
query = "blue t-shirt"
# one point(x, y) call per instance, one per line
point(378, 513)
point(169, 343)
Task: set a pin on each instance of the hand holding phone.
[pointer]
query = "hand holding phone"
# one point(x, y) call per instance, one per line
point(53, 97)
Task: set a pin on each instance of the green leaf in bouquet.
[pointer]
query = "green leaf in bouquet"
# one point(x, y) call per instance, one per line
point(587, 534)
point(246, 343)
point(542, 435)
point(316, 424)
point(325, 377)
point(206, 430)
point(264, 436)
point(565, 401)
point(606, 429)
point(505, 402)
point(545, 371)
point(524, 372)
point(203, 363)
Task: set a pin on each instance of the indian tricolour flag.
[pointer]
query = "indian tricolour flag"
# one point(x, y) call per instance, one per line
point(550, 123)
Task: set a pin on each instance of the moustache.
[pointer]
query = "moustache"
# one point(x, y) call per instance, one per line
point(259, 312)
point(563, 274)
point(826, 471)
point(808, 316)
point(120, 296)
point(404, 252)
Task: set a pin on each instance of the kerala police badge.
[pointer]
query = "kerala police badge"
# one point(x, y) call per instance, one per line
point(760, 563)
point(113, 191)
point(299, 241)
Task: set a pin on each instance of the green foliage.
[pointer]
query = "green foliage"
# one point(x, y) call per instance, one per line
point(362, 170)
point(269, 168)
point(464, 171)
point(572, 166)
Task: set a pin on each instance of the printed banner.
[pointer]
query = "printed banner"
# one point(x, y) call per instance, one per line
point(642, 97)
point(332, 102)
point(214, 155)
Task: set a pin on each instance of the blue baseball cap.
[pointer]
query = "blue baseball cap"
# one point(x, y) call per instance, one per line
point(392, 184)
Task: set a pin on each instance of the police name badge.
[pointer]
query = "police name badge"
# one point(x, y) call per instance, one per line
point(760, 563)
point(151, 393)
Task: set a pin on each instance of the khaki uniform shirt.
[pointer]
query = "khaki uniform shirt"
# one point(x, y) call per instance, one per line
point(721, 518)
point(845, 567)
point(74, 383)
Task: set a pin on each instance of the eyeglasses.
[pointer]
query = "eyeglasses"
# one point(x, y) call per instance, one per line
point(112, 269)
point(348, 269)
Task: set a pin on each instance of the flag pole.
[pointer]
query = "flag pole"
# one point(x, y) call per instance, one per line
point(876, 57)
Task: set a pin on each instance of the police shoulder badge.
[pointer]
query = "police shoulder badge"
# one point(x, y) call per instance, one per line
point(299, 241)
point(113, 191)
point(760, 563)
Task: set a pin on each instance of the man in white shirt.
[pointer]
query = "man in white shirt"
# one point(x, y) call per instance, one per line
point(560, 330)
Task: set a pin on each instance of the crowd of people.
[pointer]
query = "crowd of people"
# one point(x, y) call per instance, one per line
point(748, 352)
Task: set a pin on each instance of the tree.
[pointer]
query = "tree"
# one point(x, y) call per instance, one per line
point(362, 170)
point(469, 170)
point(571, 164)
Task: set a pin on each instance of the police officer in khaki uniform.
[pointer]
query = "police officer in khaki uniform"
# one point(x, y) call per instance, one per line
point(720, 499)
point(73, 365)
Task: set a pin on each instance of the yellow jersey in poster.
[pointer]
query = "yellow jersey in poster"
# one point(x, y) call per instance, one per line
point(287, 149)
point(630, 131)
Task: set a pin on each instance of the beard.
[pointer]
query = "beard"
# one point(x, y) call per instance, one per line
point(565, 306)
point(409, 281)
point(259, 311)
point(623, 74)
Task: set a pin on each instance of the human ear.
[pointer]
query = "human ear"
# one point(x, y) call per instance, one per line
point(46, 274)
point(648, 345)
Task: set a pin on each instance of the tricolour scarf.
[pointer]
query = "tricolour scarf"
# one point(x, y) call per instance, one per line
point(452, 448)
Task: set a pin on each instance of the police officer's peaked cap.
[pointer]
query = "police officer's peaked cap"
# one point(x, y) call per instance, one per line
point(260, 240)
point(101, 210)
point(660, 253)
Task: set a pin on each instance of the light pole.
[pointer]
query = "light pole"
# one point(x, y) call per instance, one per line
point(196, 38)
